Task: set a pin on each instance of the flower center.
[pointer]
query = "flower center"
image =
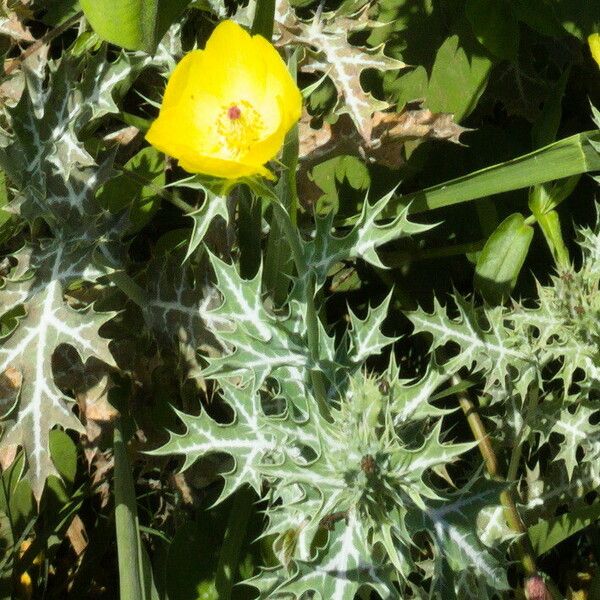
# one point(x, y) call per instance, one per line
point(234, 112)
point(239, 126)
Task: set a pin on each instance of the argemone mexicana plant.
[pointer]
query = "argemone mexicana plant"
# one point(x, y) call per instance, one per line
point(397, 447)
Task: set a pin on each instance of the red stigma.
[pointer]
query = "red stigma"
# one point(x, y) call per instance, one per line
point(234, 112)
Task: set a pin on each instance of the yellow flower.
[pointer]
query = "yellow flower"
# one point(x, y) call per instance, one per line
point(227, 108)
point(594, 42)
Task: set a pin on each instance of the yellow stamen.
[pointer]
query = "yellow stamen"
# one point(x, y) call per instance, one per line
point(239, 127)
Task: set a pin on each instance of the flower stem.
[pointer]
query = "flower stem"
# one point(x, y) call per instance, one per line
point(264, 15)
point(130, 288)
point(515, 457)
point(312, 318)
point(523, 544)
point(278, 263)
point(129, 548)
point(249, 231)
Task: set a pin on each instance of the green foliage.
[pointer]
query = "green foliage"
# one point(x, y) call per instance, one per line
point(364, 473)
point(58, 185)
point(299, 355)
point(502, 258)
point(513, 348)
point(495, 27)
point(137, 25)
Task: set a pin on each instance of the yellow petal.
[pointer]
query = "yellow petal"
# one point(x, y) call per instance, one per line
point(219, 167)
point(25, 586)
point(232, 65)
point(180, 79)
point(280, 82)
point(189, 126)
point(269, 145)
point(594, 43)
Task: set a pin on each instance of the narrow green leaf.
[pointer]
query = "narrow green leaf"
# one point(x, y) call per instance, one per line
point(264, 16)
point(235, 533)
point(502, 257)
point(64, 456)
point(545, 128)
point(131, 576)
point(543, 199)
point(570, 156)
point(545, 535)
point(132, 24)
point(4, 215)
point(16, 498)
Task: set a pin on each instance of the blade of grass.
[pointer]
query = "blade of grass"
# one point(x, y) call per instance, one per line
point(126, 522)
point(570, 156)
point(545, 535)
point(278, 260)
point(264, 16)
point(233, 542)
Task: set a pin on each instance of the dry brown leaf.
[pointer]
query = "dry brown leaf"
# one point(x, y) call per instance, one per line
point(16, 70)
point(390, 131)
point(77, 535)
point(90, 385)
point(7, 456)
point(10, 385)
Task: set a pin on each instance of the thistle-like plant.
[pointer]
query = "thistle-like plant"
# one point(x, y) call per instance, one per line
point(350, 463)
point(355, 466)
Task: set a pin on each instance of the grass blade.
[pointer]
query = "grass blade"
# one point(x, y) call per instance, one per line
point(570, 156)
point(126, 521)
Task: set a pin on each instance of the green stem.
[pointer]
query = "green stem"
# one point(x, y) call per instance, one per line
point(277, 264)
point(232, 546)
point(264, 15)
point(130, 288)
point(126, 522)
point(249, 231)
point(523, 544)
point(312, 318)
point(515, 457)
point(177, 202)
